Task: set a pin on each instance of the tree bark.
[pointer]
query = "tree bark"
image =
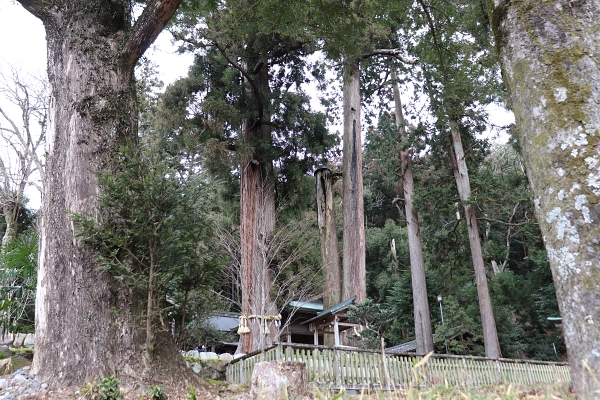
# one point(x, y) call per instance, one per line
point(423, 332)
point(354, 264)
point(257, 219)
point(461, 174)
point(329, 241)
point(548, 52)
point(11, 218)
point(87, 323)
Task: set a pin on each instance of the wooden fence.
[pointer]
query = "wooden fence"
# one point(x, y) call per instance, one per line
point(360, 368)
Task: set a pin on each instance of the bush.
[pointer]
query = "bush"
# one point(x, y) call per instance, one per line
point(104, 389)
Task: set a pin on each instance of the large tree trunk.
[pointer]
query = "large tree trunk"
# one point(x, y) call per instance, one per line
point(549, 54)
point(461, 174)
point(87, 323)
point(330, 252)
point(406, 190)
point(354, 264)
point(257, 219)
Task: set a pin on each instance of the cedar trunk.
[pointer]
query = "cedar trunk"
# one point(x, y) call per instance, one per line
point(257, 219)
point(549, 56)
point(354, 264)
point(461, 174)
point(330, 252)
point(423, 333)
point(87, 323)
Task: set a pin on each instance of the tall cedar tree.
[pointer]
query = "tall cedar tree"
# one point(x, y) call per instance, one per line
point(452, 51)
point(262, 49)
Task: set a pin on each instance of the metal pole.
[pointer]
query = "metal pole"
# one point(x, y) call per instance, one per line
point(439, 298)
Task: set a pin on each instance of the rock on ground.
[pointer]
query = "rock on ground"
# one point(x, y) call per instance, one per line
point(272, 379)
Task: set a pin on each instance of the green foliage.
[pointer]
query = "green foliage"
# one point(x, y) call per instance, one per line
point(106, 388)
point(153, 234)
point(192, 393)
point(21, 351)
point(157, 393)
point(18, 277)
point(376, 320)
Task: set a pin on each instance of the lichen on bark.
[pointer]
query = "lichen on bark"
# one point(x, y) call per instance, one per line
point(549, 53)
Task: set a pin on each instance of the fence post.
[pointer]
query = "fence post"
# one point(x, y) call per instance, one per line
point(529, 377)
point(336, 367)
point(279, 352)
point(499, 369)
point(464, 363)
point(242, 375)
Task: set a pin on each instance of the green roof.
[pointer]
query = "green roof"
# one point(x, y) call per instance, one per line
point(331, 310)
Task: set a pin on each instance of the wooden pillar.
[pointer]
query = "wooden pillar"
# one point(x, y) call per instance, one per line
point(336, 331)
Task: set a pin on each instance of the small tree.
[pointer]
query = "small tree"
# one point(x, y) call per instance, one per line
point(289, 263)
point(21, 164)
point(149, 237)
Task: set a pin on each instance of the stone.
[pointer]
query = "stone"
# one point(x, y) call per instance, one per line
point(225, 357)
point(208, 355)
point(19, 339)
point(29, 340)
point(192, 353)
point(3, 383)
point(197, 367)
point(272, 379)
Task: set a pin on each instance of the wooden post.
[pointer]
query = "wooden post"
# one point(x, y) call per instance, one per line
point(316, 335)
point(386, 373)
point(336, 331)
point(499, 369)
point(464, 363)
point(336, 367)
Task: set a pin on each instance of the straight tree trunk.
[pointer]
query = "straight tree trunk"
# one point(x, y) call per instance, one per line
point(549, 56)
point(257, 219)
point(87, 323)
point(423, 332)
point(461, 174)
point(354, 264)
point(328, 234)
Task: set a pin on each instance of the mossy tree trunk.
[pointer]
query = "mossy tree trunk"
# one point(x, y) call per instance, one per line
point(549, 55)
point(87, 323)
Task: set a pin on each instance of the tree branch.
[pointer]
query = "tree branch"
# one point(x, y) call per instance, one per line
point(154, 18)
point(38, 8)
point(506, 223)
point(389, 53)
point(247, 76)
